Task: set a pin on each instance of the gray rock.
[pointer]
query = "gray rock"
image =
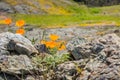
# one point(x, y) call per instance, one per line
point(31, 77)
point(15, 42)
point(16, 64)
point(66, 71)
point(104, 68)
point(4, 7)
point(42, 48)
point(4, 76)
point(108, 44)
point(22, 9)
point(97, 48)
point(69, 70)
point(80, 53)
point(74, 43)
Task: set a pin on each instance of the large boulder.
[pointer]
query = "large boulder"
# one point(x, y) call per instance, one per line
point(10, 42)
point(15, 57)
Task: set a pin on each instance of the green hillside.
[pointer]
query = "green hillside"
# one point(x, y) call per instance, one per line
point(63, 13)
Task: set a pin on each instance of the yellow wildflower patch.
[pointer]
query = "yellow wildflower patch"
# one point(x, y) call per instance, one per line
point(2, 22)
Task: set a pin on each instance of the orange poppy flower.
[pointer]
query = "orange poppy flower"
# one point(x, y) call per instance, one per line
point(62, 47)
point(20, 31)
point(8, 21)
point(51, 44)
point(20, 23)
point(54, 37)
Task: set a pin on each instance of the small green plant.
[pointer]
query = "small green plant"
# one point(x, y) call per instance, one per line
point(50, 61)
point(33, 40)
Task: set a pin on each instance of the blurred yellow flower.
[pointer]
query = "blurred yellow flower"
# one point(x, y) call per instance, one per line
point(42, 41)
point(20, 31)
point(8, 21)
point(20, 23)
point(54, 37)
point(62, 47)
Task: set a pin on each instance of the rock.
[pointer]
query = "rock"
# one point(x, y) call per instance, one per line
point(101, 40)
point(74, 43)
point(4, 76)
point(42, 48)
point(4, 7)
point(116, 31)
point(22, 9)
point(15, 42)
point(97, 48)
point(69, 70)
point(107, 44)
point(30, 77)
point(104, 68)
point(66, 71)
point(72, 47)
point(16, 64)
point(80, 53)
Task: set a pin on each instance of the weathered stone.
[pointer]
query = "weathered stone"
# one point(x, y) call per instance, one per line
point(104, 68)
point(31, 77)
point(4, 76)
point(4, 7)
point(80, 53)
point(41, 48)
point(15, 42)
point(109, 44)
point(16, 64)
point(97, 48)
point(102, 40)
point(24, 9)
point(74, 43)
point(69, 70)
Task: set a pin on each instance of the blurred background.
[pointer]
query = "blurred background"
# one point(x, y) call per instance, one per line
point(62, 13)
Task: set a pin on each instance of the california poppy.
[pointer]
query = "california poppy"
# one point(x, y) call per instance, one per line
point(20, 31)
point(8, 21)
point(20, 23)
point(54, 37)
point(51, 44)
point(62, 47)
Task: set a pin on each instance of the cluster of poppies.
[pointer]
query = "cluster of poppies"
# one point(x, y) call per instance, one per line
point(53, 43)
point(20, 24)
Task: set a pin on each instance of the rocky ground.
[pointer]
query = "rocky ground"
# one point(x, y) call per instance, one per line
point(95, 54)
point(33, 6)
